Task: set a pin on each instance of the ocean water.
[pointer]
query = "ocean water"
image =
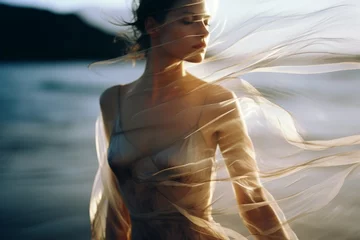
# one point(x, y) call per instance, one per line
point(48, 159)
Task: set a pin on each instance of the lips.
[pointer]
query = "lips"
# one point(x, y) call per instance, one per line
point(200, 45)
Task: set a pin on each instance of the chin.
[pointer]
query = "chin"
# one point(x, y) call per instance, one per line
point(198, 58)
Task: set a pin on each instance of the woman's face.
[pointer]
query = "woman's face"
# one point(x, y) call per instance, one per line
point(185, 34)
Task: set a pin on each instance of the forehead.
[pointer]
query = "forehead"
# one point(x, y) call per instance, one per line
point(189, 7)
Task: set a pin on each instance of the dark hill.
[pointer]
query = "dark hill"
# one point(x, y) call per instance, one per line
point(31, 34)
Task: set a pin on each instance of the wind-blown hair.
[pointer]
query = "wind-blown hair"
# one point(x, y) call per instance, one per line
point(139, 41)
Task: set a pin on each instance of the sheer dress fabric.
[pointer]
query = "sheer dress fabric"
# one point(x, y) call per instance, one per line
point(303, 175)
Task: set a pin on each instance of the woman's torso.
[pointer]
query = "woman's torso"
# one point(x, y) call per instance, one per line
point(163, 159)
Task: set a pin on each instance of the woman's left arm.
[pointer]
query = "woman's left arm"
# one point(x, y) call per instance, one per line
point(238, 152)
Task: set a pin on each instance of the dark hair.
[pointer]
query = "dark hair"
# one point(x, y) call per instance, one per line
point(140, 42)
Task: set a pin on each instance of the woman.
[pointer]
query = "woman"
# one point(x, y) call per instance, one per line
point(161, 133)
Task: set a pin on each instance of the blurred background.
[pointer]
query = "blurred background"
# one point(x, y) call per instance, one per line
point(49, 104)
point(48, 107)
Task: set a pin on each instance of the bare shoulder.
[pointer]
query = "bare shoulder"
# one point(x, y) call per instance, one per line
point(108, 94)
point(108, 101)
point(220, 94)
point(223, 105)
point(215, 93)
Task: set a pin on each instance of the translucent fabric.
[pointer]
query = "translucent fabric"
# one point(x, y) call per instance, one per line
point(163, 179)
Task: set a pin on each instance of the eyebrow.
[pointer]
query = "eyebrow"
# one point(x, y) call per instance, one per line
point(197, 14)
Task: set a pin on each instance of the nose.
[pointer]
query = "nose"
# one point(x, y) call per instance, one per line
point(203, 29)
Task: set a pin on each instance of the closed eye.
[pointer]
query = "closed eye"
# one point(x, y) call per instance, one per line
point(188, 22)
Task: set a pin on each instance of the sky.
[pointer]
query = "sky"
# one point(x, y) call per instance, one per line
point(66, 6)
point(100, 12)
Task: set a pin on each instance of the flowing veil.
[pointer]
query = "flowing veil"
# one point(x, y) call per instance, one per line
point(301, 174)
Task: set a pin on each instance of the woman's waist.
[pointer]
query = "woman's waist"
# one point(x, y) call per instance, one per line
point(176, 226)
point(177, 216)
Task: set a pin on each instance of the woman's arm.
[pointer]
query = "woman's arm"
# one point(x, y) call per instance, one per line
point(238, 152)
point(118, 225)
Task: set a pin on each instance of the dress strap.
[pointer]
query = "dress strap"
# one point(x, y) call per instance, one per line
point(119, 107)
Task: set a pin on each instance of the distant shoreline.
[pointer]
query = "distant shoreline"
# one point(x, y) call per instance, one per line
point(40, 35)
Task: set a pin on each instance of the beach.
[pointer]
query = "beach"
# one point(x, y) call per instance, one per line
point(47, 125)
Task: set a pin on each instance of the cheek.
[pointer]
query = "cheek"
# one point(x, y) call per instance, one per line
point(177, 35)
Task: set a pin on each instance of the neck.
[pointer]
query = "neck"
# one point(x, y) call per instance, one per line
point(163, 77)
point(162, 70)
